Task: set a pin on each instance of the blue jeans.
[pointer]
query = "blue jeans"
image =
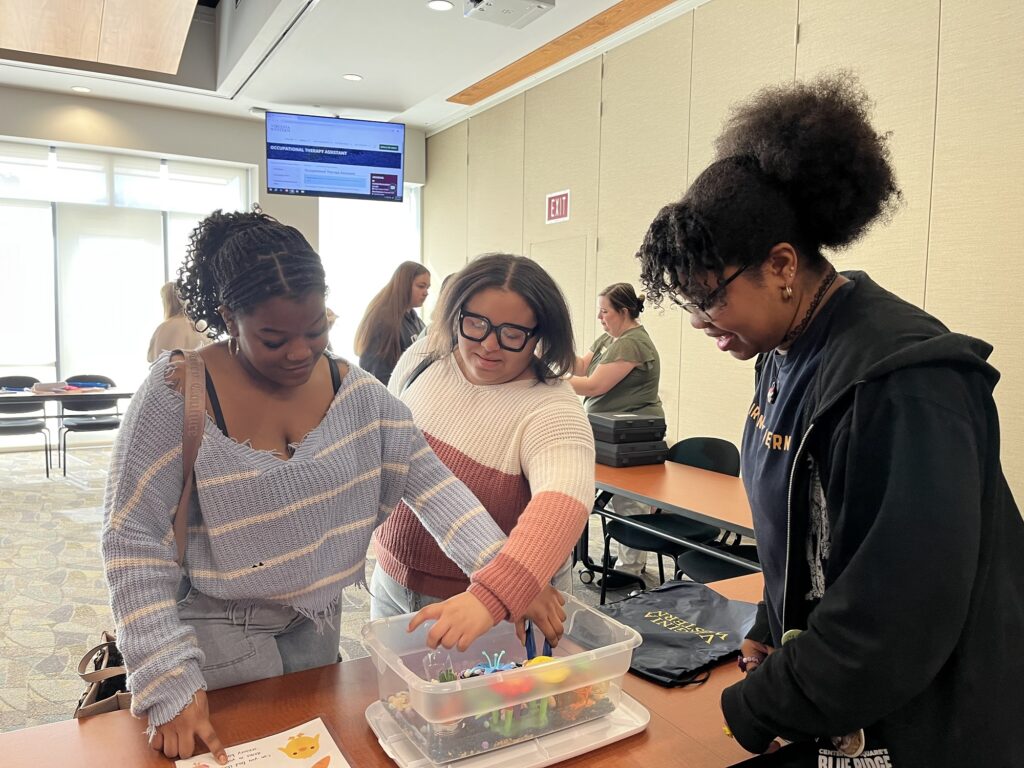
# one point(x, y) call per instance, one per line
point(390, 598)
point(243, 643)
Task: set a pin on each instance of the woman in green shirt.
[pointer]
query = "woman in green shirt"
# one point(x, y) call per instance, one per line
point(620, 373)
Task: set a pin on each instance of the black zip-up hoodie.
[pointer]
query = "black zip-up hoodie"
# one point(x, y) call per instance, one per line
point(919, 636)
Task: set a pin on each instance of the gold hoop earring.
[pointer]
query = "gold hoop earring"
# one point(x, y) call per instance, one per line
point(232, 346)
point(787, 293)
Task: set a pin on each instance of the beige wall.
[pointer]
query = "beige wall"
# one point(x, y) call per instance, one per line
point(54, 117)
point(627, 131)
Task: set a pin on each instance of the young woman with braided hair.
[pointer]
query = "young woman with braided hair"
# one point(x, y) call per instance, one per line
point(891, 545)
point(302, 457)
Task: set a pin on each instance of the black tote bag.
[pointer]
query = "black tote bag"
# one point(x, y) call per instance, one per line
point(687, 628)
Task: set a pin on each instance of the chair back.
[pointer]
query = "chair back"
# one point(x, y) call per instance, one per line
point(711, 453)
point(19, 381)
point(101, 404)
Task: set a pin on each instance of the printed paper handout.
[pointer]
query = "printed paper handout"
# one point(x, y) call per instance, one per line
point(305, 746)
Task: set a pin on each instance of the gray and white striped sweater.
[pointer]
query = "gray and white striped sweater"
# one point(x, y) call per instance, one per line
point(291, 532)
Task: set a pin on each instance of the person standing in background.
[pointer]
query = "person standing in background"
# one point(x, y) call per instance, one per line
point(176, 331)
point(391, 324)
point(620, 374)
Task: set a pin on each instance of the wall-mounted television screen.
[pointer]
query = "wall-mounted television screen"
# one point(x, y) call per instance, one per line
point(334, 157)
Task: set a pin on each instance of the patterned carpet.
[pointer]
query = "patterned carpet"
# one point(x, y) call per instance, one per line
point(54, 597)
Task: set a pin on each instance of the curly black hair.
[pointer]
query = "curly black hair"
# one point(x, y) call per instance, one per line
point(799, 163)
point(237, 260)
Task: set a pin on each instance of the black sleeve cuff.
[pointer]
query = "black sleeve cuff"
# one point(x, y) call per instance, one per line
point(751, 736)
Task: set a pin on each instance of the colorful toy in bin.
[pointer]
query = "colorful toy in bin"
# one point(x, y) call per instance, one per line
point(498, 692)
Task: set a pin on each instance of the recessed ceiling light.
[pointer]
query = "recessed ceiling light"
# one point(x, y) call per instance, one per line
point(81, 89)
point(353, 77)
point(440, 5)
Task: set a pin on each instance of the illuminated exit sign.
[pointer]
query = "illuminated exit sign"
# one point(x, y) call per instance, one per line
point(557, 207)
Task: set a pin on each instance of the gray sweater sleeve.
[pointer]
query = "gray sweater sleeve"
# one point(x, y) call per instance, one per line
point(161, 654)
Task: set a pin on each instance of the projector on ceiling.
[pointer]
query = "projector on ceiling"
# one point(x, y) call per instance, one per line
point(508, 13)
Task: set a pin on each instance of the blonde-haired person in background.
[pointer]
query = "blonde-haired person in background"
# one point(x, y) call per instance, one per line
point(620, 374)
point(176, 331)
point(390, 324)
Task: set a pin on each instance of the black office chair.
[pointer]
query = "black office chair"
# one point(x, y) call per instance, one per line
point(716, 455)
point(103, 414)
point(709, 453)
point(24, 424)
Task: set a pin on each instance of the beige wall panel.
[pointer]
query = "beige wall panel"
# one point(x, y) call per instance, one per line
point(495, 215)
point(644, 116)
point(444, 201)
point(565, 260)
point(896, 62)
point(738, 47)
point(977, 222)
point(562, 151)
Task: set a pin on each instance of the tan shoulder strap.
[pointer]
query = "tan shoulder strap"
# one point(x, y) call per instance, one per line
point(191, 437)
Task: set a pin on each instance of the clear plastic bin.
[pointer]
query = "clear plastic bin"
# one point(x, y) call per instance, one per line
point(452, 720)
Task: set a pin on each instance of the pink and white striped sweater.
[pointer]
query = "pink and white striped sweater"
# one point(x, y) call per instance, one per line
point(524, 448)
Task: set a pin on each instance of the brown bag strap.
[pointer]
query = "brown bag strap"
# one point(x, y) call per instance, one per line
point(103, 673)
point(191, 437)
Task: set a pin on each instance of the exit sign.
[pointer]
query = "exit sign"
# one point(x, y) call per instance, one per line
point(557, 208)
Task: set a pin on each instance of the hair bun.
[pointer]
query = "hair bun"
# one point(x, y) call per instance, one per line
point(640, 303)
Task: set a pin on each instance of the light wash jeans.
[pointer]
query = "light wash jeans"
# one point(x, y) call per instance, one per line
point(389, 598)
point(243, 643)
point(629, 560)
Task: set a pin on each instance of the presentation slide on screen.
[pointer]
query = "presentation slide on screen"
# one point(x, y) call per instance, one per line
point(309, 155)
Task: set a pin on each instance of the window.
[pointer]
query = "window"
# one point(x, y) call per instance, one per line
point(361, 244)
point(122, 224)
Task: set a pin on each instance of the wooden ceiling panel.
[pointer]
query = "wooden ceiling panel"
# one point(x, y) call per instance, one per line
point(67, 28)
point(619, 16)
point(149, 35)
point(146, 35)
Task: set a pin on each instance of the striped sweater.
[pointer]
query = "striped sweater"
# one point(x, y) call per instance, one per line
point(524, 448)
point(261, 529)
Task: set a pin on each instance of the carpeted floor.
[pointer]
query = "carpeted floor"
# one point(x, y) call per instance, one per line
point(54, 597)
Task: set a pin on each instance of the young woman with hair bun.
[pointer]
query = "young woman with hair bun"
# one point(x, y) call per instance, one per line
point(301, 458)
point(622, 370)
point(621, 374)
point(891, 545)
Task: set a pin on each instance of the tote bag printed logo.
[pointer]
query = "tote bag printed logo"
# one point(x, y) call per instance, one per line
point(677, 624)
point(686, 627)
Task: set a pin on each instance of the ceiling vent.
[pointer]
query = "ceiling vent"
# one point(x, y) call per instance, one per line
point(508, 13)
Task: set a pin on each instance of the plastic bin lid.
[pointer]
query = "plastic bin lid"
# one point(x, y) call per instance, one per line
point(628, 718)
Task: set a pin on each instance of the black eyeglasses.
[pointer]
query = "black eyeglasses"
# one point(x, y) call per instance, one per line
point(511, 337)
point(700, 308)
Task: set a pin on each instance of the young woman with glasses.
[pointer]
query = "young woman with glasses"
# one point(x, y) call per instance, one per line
point(486, 388)
point(890, 542)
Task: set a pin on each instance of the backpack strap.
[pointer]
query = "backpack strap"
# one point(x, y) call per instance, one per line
point(191, 437)
point(420, 368)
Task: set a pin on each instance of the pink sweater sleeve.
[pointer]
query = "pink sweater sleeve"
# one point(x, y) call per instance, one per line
point(557, 454)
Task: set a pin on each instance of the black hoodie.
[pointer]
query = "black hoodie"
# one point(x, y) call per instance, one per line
point(919, 636)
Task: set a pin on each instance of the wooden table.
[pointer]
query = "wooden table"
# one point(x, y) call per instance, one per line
point(685, 728)
point(707, 497)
